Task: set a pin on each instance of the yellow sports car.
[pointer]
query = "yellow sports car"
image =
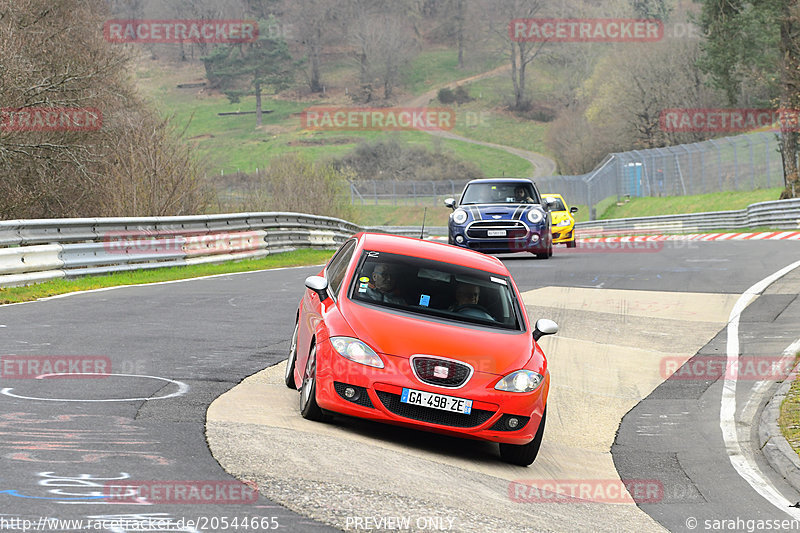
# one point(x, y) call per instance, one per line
point(563, 223)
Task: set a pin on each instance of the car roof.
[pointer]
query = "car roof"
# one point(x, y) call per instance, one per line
point(397, 244)
point(501, 180)
point(553, 195)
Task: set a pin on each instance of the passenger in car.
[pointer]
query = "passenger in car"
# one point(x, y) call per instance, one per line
point(383, 287)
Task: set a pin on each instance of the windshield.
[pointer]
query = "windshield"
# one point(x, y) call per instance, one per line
point(557, 204)
point(436, 289)
point(500, 193)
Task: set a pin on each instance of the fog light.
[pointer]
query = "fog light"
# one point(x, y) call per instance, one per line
point(513, 422)
point(460, 239)
point(534, 238)
point(349, 392)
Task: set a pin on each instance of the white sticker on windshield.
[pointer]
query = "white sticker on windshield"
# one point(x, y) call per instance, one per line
point(498, 280)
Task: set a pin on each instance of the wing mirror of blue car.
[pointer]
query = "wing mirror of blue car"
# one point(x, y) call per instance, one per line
point(450, 202)
point(573, 210)
point(319, 285)
point(549, 203)
point(544, 326)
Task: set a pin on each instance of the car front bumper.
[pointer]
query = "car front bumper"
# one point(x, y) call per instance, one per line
point(535, 239)
point(378, 394)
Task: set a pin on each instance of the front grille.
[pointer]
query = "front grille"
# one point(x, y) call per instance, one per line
point(514, 229)
point(433, 416)
point(361, 397)
point(425, 370)
point(502, 423)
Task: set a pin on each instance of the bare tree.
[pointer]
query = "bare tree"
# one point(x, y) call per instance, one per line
point(315, 24)
point(519, 53)
point(384, 44)
point(53, 55)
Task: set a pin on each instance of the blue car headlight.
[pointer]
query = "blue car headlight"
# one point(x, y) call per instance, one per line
point(535, 216)
point(520, 381)
point(357, 351)
point(459, 216)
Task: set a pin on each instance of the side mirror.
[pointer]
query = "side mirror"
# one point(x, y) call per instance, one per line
point(450, 202)
point(319, 285)
point(544, 327)
point(548, 203)
point(573, 210)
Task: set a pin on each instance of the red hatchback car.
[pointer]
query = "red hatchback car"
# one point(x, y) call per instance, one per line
point(424, 335)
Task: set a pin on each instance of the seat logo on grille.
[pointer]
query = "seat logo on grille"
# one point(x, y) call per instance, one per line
point(441, 372)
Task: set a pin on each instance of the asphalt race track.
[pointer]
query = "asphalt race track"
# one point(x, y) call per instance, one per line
point(173, 349)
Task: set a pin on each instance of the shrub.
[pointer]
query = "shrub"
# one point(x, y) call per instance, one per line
point(446, 96)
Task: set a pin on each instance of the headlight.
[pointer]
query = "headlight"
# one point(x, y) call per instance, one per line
point(459, 216)
point(535, 216)
point(520, 381)
point(565, 222)
point(356, 351)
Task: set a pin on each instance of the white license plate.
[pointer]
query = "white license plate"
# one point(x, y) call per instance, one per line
point(496, 233)
point(437, 401)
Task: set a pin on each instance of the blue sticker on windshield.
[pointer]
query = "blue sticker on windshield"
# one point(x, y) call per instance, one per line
point(424, 300)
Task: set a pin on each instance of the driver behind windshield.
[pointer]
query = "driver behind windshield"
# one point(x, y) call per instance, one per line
point(383, 287)
point(466, 294)
point(521, 196)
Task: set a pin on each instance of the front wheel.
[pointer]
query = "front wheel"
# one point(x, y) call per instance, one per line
point(308, 391)
point(523, 454)
point(571, 244)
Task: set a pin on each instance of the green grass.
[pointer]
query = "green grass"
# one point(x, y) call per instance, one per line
point(439, 67)
point(52, 288)
point(232, 143)
point(500, 127)
point(401, 215)
point(789, 419)
point(671, 205)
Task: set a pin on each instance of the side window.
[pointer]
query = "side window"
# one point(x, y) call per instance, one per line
point(338, 266)
point(537, 198)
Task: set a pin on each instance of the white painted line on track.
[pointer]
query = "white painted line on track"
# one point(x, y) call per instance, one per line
point(183, 388)
point(746, 468)
point(101, 289)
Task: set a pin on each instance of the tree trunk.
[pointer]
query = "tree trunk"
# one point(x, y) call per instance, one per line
point(362, 65)
point(313, 53)
point(521, 104)
point(258, 104)
point(514, 79)
point(460, 33)
point(790, 96)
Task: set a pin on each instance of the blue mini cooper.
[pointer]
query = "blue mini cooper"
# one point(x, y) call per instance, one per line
point(501, 215)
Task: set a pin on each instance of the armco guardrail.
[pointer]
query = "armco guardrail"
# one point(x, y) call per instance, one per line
point(780, 214)
point(32, 251)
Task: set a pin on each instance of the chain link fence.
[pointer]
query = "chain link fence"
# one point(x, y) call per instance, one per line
point(738, 163)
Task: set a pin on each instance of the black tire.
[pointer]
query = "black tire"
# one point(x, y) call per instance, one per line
point(572, 244)
point(288, 376)
point(524, 454)
point(308, 391)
